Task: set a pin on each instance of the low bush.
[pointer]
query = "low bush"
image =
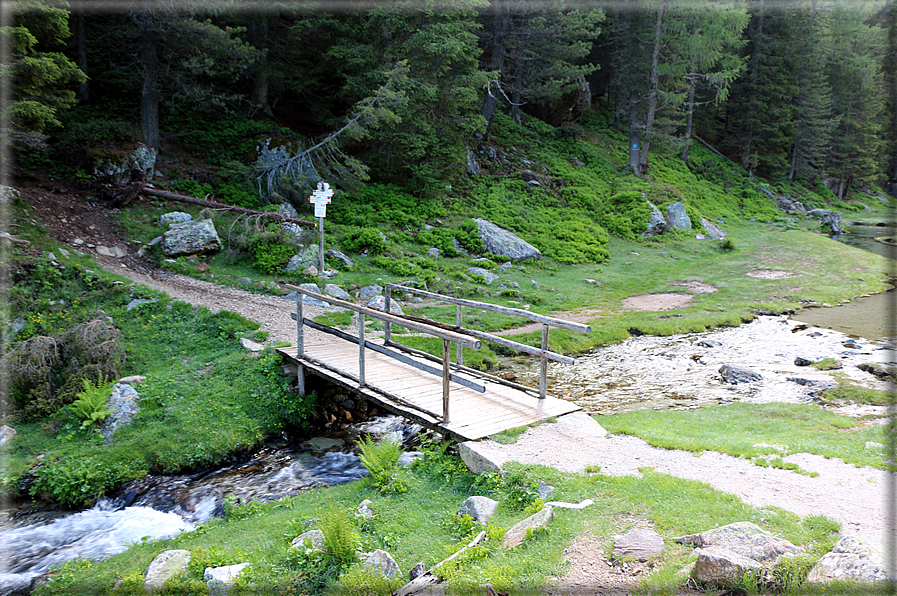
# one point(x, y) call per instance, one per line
point(381, 460)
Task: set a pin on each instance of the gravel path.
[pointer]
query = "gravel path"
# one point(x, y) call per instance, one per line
point(854, 496)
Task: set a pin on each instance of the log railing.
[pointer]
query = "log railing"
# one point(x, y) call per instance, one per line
point(542, 352)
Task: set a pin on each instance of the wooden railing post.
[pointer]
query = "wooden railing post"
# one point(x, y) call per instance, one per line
point(459, 351)
point(387, 327)
point(300, 348)
point(361, 349)
point(543, 364)
point(445, 381)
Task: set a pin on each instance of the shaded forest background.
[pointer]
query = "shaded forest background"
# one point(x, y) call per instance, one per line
point(398, 92)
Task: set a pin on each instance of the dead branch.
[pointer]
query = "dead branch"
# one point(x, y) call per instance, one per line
point(431, 577)
point(185, 199)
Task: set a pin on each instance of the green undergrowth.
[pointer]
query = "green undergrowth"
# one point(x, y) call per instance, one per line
point(762, 432)
point(421, 525)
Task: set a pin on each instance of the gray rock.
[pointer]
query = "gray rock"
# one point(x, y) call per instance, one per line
point(382, 562)
point(251, 345)
point(473, 168)
point(677, 218)
point(9, 194)
point(7, 433)
point(718, 566)
point(488, 275)
point(379, 303)
point(132, 380)
point(313, 538)
point(744, 538)
point(221, 579)
point(368, 292)
point(173, 217)
point(478, 508)
point(364, 510)
point(119, 167)
point(123, 407)
point(709, 343)
point(138, 302)
point(638, 544)
point(113, 251)
point(165, 566)
point(713, 231)
point(244, 280)
point(311, 300)
point(854, 558)
point(337, 292)
point(480, 459)
point(737, 374)
point(307, 257)
point(544, 490)
point(656, 223)
point(800, 361)
point(189, 238)
point(417, 571)
point(501, 242)
point(790, 204)
point(518, 531)
point(433, 253)
point(341, 257)
point(287, 210)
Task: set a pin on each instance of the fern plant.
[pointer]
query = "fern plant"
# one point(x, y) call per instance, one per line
point(382, 461)
point(90, 405)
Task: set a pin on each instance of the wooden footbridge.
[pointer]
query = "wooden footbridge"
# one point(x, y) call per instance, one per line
point(457, 401)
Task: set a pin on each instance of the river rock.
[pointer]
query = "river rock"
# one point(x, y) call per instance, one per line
point(190, 238)
point(221, 579)
point(364, 510)
point(337, 292)
point(123, 406)
point(165, 566)
point(677, 218)
point(738, 374)
point(714, 232)
point(341, 257)
point(852, 558)
point(518, 531)
point(314, 538)
point(656, 223)
point(638, 544)
point(487, 275)
point(7, 433)
point(828, 218)
point(173, 217)
point(417, 571)
point(790, 205)
point(718, 566)
point(480, 509)
point(499, 241)
point(116, 252)
point(382, 562)
point(745, 538)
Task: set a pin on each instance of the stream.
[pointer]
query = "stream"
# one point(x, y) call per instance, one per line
point(33, 541)
point(646, 372)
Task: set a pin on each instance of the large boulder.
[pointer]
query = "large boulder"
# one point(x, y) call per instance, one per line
point(173, 217)
point(714, 232)
point(305, 258)
point(117, 167)
point(638, 544)
point(379, 303)
point(314, 539)
point(853, 558)
point(165, 566)
point(484, 273)
point(738, 374)
point(745, 538)
point(677, 218)
point(382, 562)
point(190, 238)
point(481, 459)
point(656, 223)
point(6, 434)
point(123, 406)
point(499, 241)
point(718, 566)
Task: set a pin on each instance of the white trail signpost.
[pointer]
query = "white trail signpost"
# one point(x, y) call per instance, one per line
point(320, 199)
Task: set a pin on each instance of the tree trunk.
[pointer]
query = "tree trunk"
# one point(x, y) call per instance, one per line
point(500, 23)
point(689, 115)
point(634, 136)
point(652, 94)
point(149, 98)
point(258, 36)
point(83, 88)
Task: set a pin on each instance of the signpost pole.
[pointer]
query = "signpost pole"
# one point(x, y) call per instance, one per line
point(321, 246)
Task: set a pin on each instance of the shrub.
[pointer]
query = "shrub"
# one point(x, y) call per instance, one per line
point(90, 405)
point(271, 249)
point(81, 480)
point(365, 238)
point(381, 460)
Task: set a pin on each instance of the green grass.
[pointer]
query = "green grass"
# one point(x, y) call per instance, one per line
point(753, 431)
point(419, 525)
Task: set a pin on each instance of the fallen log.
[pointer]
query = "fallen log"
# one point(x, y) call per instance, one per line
point(214, 205)
point(430, 577)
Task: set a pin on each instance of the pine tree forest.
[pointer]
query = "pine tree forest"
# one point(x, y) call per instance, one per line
point(395, 91)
